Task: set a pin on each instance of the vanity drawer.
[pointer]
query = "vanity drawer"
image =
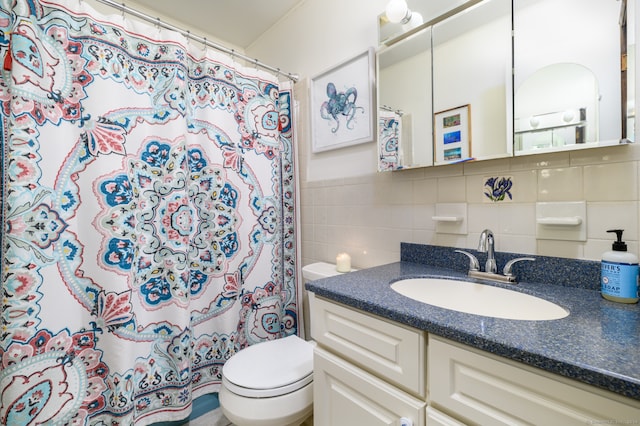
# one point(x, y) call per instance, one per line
point(344, 394)
point(391, 351)
point(483, 389)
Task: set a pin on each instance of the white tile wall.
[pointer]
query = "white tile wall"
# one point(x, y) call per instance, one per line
point(369, 216)
point(560, 184)
point(611, 182)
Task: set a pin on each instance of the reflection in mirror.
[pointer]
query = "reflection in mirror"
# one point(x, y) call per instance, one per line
point(404, 103)
point(472, 66)
point(628, 26)
point(557, 106)
point(567, 75)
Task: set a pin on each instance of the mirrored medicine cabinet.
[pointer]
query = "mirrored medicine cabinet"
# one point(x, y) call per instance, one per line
point(487, 79)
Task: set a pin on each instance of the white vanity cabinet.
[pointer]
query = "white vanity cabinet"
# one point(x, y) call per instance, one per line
point(372, 371)
point(483, 389)
point(367, 371)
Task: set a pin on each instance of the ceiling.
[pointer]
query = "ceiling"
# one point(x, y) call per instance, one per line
point(237, 22)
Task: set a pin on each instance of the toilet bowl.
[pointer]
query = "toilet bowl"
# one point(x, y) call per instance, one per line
point(271, 383)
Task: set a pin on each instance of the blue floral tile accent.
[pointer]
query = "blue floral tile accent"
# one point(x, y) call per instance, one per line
point(498, 189)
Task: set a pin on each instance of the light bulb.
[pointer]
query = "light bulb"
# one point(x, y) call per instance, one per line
point(396, 10)
point(416, 20)
point(534, 121)
point(568, 116)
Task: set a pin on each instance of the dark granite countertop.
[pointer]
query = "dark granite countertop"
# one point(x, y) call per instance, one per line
point(598, 343)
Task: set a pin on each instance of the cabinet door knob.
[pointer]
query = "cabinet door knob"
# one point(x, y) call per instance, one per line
point(406, 422)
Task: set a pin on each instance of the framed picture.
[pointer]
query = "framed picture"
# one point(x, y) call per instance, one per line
point(342, 104)
point(452, 142)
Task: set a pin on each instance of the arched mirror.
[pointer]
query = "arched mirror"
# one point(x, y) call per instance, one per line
point(557, 107)
point(569, 86)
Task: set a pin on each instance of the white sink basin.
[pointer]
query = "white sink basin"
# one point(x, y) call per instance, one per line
point(479, 299)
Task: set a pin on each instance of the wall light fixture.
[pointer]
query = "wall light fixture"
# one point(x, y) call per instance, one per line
point(398, 12)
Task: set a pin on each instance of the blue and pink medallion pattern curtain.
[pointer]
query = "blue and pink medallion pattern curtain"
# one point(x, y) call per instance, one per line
point(148, 216)
point(389, 131)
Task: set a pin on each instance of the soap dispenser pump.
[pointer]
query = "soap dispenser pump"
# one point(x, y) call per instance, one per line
point(619, 272)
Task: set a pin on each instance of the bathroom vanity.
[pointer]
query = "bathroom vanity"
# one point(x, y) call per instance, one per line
point(382, 358)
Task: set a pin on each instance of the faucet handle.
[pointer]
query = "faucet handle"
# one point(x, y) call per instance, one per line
point(509, 265)
point(474, 265)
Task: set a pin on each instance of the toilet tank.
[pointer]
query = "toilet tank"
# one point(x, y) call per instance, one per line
point(315, 271)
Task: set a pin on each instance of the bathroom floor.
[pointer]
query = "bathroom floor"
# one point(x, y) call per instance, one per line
point(206, 412)
point(212, 418)
point(216, 418)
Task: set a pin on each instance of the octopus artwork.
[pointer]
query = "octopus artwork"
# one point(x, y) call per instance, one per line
point(340, 104)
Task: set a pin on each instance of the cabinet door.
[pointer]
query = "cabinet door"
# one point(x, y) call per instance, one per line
point(346, 395)
point(482, 389)
point(438, 418)
point(392, 351)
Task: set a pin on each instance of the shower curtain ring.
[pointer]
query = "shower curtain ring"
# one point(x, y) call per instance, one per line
point(122, 9)
point(256, 63)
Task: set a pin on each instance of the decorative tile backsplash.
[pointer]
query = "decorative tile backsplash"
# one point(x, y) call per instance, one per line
point(369, 216)
point(498, 189)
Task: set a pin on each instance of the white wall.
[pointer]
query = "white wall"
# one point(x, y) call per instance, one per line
point(347, 206)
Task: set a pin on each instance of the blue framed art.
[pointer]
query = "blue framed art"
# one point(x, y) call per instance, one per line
point(342, 104)
point(452, 135)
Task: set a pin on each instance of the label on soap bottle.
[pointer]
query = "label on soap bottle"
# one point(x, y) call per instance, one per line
point(619, 280)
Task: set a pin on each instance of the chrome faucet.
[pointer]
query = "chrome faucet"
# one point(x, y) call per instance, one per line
point(487, 245)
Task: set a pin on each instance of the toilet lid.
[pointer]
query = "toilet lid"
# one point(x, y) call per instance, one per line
point(271, 368)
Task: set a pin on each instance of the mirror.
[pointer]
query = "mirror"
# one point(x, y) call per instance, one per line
point(568, 84)
point(629, 77)
point(469, 91)
point(541, 76)
point(404, 103)
point(472, 75)
point(557, 107)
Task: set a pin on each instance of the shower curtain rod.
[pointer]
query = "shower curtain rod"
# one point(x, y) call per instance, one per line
point(126, 9)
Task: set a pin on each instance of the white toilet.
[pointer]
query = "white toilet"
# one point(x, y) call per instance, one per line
point(271, 383)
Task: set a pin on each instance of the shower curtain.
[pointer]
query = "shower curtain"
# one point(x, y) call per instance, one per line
point(389, 134)
point(148, 216)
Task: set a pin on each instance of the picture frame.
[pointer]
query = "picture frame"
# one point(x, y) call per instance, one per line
point(342, 104)
point(452, 135)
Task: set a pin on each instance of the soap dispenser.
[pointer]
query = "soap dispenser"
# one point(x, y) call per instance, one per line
point(619, 272)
